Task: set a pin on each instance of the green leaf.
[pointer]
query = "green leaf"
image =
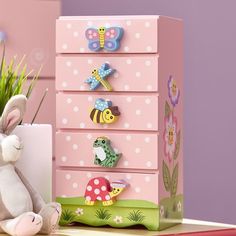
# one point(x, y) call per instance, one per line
point(167, 109)
point(177, 147)
point(166, 176)
point(174, 180)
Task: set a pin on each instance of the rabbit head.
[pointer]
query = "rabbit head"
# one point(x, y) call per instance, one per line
point(11, 145)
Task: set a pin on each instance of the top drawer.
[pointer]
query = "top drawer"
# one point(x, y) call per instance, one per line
point(140, 33)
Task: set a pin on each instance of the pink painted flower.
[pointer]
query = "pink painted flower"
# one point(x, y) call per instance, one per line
point(173, 91)
point(169, 135)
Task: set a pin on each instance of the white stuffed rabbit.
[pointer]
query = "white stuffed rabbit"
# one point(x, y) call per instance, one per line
point(22, 210)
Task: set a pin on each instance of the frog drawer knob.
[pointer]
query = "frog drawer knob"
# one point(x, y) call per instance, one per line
point(104, 154)
point(104, 113)
point(99, 77)
point(102, 190)
point(104, 38)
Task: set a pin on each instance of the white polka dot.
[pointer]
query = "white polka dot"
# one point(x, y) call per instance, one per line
point(149, 87)
point(68, 138)
point(75, 185)
point(99, 198)
point(63, 196)
point(126, 125)
point(149, 48)
point(147, 139)
point(82, 87)
point(75, 34)
point(147, 178)
point(68, 176)
point(137, 35)
point(137, 190)
point(147, 24)
point(81, 49)
point(68, 63)
point(116, 75)
point(107, 197)
point(90, 98)
point(137, 150)
point(75, 146)
point(107, 177)
point(97, 191)
point(63, 158)
point(89, 188)
point(64, 46)
point(89, 23)
point(68, 26)
point(149, 125)
point(69, 100)
point(75, 109)
point(129, 99)
point(88, 198)
point(89, 136)
point(128, 61)
point(64, 84)
point(96, 181)
point(103, 188)
point(107, 25)
point(89, 175)
point(138, 112)
point(128, 176)
point(75, 72)
point(116, 150)
point(81, 163)
point(147, 63)
point(64, 121)
point(128, 137)
point(148, 163)
point(147, 100)
point(126, 163)
point(90, 61)
point(126, 48)
point(82, 125)
point(128, 22)
point(126, 87)
point(138, 74)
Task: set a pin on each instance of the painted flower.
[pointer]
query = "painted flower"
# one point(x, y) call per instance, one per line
point(179, 206)
point(170, 135)
point(162, 211)
point(79, 211)
point(118, 219)
point(173, 91)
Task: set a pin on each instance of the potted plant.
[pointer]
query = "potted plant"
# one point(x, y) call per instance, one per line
point(36, 159)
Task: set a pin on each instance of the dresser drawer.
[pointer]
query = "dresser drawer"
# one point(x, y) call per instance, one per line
point(138, 112)
point(141, 186)
point(140, 33)
point(132, 73)
point(138, 150)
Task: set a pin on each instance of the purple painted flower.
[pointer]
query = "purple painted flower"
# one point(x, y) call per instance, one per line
point(173, 91)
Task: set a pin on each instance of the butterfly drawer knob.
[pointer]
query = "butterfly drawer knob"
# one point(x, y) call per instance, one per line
point(99, 77)
point(103, 112)
point(102, 190)
point(104, 153)
point(104, 38)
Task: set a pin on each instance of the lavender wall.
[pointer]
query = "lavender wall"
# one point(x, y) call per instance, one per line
point(210, 89)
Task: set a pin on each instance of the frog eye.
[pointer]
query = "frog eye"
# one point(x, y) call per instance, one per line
point(111, 117)
point(107, 112)
point(103, 141)
point(96, 141)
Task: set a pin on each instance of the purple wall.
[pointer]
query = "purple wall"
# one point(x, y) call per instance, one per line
point(210, 89)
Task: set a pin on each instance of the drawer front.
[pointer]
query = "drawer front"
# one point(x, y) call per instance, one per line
point(140, 33)
point(133, 73)
point(138, 150)
point(141, 186)
point(138, 112)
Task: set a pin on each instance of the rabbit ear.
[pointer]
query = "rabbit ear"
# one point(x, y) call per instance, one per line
point(13, 113)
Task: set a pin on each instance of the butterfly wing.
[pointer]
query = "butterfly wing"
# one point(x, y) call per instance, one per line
point(93, 39)
point(113, 33)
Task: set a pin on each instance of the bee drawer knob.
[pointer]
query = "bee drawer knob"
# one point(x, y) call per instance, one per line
point(104, 38)
point(102, 190)
point(104, 113)
point(104, 154)
point(99, 76)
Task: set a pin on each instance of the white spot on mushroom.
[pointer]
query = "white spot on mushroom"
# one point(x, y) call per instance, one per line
point(103, 188)
point(97, 191)
point(107, 197)
point(89, 188)
point(96, 181)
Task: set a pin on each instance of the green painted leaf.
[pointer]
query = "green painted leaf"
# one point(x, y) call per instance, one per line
point(174, 180)
point(166, 176)
point(176, 153)
point(167, 109)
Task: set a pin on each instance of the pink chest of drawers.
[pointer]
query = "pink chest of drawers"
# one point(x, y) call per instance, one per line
point(145, 141)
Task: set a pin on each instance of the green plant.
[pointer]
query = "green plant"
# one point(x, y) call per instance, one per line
point(13, 78)
point(136, 216)
point(102, 214)
point(67, 217)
